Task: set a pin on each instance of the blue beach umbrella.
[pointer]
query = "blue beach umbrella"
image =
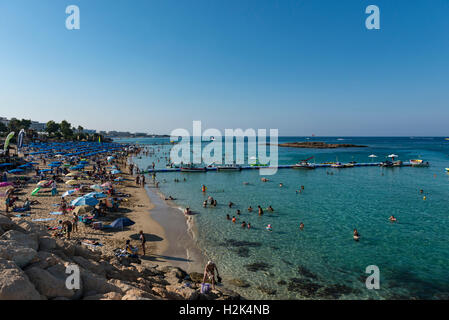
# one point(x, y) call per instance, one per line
point(83, 201)
point(97, 195)
point(68, 193)
point(15, 171)
point(121, 222)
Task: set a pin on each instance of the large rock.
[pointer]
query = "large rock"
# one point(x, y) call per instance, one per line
point(13, 251)
point(185, 292)
point(90, 265)
point(67, 247)
point(24, 240)
point(137, 294)
point(14, 284)
point(105, 296)
point(6, 223)
point(30, 227)
point(52, 282)
point(87, 253)
point(95, 284)
point(47, 243)
point(46, 259)
point(1, 231)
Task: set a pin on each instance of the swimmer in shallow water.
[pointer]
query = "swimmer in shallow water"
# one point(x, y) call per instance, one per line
point(228, 217)
point(230, 204)
point(243, 224)
point(270, 208)
point(269, 228)
point(234, 219)
point(205, 203)
point(249, 225)
point(356, 235)
point(301, 226)
point(281, 185)
point(260, 210)
point(238, 212)
point(250, 209)
point(392, 219)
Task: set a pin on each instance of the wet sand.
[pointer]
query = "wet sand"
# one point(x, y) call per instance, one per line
point(181, 250)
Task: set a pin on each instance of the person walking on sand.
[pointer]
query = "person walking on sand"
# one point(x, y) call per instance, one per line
point(142, 241)
point(75, 222)
point(209, 273)
point(54, 190)
point(67, 226)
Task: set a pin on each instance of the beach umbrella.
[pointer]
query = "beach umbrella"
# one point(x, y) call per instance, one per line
point(71, 174)
point(16, 171)
point(5, 164)
point(372, 156)
point(97, 195)
point(121, 222)
point(72, 182)
point(42, 182)
point(392, 156)
point(83, 201)
point(68, 193)
point(83, 209)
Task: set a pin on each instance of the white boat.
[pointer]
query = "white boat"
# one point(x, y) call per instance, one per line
point(304, 165)
point(338, 165)
point(419, 163)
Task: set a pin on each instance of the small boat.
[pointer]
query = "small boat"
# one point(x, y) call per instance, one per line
point(386, 164)
point(397, 163)
point(304, 165)
point(419, 163)
point(192, 168)
point(229, 167)
point(349, 165)
point(257, 164)
point(337, 165)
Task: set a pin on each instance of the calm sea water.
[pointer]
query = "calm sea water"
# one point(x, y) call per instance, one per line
point(322, 260)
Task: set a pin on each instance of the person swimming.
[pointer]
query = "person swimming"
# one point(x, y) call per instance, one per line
point(356, 235)
point(301, 226)
point(250, 209)
point(243, 224)
point(392, 219)
point(187, 211)
point(238, 212)
point(270, 208)
point(205, 203)
point(249, 225)
point(269, 227)
point(234, 219)
point(281, 185)
point(260, 210)
point(230, 204)
point(228, 217)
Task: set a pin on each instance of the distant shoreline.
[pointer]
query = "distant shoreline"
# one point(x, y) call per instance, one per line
point(318, 145)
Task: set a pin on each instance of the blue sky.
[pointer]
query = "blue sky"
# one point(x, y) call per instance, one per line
point(303, 67)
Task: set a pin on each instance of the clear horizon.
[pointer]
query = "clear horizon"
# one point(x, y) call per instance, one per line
point(303, 67)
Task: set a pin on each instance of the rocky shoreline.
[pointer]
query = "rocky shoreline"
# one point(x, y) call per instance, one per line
point(33, 267)
point(319, 145)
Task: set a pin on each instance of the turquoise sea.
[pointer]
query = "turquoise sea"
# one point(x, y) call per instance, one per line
point(323, 261)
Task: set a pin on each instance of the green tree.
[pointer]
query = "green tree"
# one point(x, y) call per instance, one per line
point(14, 125)
point(25, 124)
point(52, 128)
point(66, 129)
point(3, 127)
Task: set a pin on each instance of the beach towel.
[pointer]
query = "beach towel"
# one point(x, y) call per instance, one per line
point(92, 245)
point(56, 213)
point(22, 215)
point(43, 219)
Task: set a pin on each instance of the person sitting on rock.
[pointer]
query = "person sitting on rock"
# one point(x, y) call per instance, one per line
point(209, 273)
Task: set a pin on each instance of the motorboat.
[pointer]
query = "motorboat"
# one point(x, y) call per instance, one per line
point(304, 165)
point(192, 168)
point(419, 163)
